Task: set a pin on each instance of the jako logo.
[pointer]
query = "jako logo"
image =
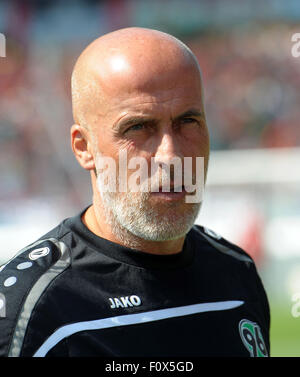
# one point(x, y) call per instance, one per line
point(124, 302)
point(2, 46)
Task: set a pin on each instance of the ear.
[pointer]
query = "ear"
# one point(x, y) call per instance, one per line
point(81, 144)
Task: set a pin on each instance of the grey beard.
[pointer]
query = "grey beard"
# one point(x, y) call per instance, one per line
point(132, 218)
point(130, 215)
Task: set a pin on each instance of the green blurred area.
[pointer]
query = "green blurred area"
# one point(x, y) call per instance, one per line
point(281, 279)
point(285, 331)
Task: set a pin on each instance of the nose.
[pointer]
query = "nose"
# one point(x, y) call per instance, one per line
point(169, 159)
point(167, 148)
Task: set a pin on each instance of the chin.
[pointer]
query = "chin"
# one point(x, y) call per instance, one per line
point(165, 229)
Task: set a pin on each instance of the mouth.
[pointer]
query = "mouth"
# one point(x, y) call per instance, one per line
point(170, 194)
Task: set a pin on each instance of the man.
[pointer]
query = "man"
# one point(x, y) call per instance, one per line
point(131, 275)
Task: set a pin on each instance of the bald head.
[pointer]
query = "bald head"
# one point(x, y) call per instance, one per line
point(139, 92)
point(125, 60)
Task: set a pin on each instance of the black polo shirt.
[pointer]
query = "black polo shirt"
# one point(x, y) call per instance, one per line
point(73, 293)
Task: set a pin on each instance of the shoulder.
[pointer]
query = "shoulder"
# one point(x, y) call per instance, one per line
point(222, 245)
point(227, 256)
point(23, 280)
point(243, 264)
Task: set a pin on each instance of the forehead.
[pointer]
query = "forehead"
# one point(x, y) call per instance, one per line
point(173, 90)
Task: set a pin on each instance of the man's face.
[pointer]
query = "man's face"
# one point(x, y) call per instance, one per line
point(159, 116)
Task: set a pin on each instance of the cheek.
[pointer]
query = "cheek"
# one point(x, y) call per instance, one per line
point(133, 167)
point(196, 142)
point(195, 146)
point(204, 143)
point(203, 149)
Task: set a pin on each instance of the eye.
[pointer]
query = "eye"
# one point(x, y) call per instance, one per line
point(136, 127)
point(186, 123)
point(189, 120)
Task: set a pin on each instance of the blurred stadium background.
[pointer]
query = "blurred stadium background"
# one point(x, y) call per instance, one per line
point(252, 98)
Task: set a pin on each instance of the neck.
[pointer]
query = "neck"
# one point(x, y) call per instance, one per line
point(94, 220)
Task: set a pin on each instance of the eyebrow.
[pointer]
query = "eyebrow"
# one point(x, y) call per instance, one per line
point(191, 113)
point(133, 120)
point(144, 119)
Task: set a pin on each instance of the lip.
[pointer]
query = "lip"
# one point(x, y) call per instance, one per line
point(169, 196)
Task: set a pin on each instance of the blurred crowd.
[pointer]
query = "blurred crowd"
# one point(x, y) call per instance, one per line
point(251, 84)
